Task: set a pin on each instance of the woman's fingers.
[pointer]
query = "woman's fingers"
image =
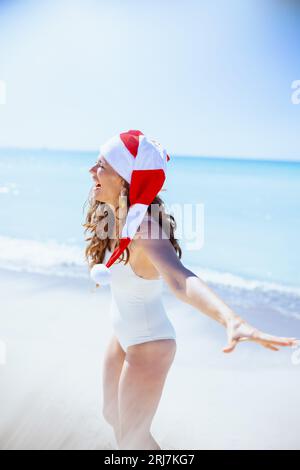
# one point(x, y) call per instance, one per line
point(269, 346)
point(231, 345)
point(278, 340)
point(239, 330)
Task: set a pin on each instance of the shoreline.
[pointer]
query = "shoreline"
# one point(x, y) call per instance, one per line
point(56, 332)
point(247, 158)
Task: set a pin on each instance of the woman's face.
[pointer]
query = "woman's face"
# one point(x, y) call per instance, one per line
point(107, 181)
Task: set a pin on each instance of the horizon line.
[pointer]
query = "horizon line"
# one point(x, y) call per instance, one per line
point(174, 155)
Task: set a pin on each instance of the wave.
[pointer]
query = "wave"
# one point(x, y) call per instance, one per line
point(235, 281)
point(49, 257)
point(55, 258)
point(252, 293)
point(68, 260)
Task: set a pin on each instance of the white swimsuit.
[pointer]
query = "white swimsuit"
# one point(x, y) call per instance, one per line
point(137, 311)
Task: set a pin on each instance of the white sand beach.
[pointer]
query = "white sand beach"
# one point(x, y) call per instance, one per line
point(55, 331)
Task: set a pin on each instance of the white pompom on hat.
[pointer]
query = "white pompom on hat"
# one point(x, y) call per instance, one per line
point(142, 162)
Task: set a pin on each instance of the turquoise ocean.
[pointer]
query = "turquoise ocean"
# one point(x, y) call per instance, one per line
point(251, 219)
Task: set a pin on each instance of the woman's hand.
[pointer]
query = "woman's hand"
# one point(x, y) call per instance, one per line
point(239, 330)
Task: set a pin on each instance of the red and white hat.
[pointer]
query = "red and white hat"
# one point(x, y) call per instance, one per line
point(142, 162)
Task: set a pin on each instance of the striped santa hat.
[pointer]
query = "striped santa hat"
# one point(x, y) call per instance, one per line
point(142, 162)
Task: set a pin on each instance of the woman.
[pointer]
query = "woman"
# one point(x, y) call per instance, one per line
point(141, 352)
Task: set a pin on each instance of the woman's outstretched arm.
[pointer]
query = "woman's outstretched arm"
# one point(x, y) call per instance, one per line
point(189, 288)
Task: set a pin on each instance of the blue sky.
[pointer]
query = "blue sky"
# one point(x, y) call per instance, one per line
point(203, 77)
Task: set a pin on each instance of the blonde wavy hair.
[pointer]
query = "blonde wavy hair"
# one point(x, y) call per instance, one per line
point(98, 212)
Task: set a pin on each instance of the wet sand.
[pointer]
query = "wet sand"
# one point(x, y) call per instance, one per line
point(55, 331)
